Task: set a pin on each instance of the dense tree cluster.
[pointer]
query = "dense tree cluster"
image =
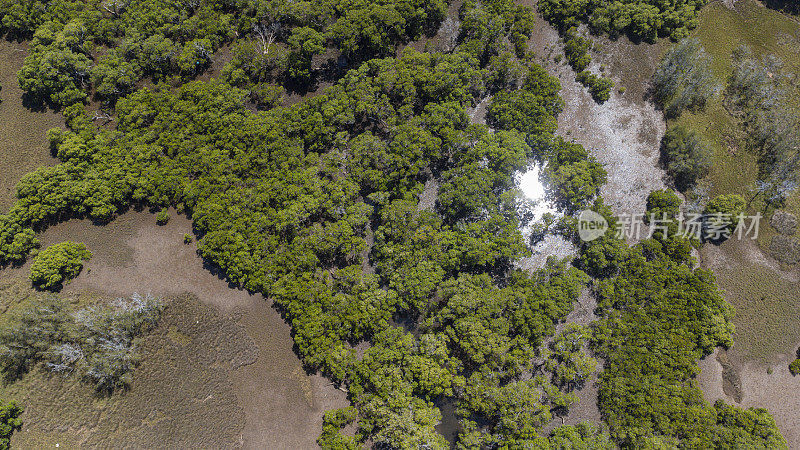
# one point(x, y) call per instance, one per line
point(112, 46)
point(285, 200)
point(640, 19)
point(401, 304)
point(58, 264)
point(98, 343)
point(658, 317)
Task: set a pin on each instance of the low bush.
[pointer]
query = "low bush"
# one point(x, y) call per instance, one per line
point(794, 367)
point(162, 218)
point(599, 87)
point(58, 263)
point(685, 156)
point(722, 215)
point(9, 422)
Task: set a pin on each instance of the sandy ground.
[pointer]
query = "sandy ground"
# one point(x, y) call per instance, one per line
point(282, 406)
point(777, 392)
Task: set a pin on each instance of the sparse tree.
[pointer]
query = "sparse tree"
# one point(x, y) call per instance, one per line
point(683, 79)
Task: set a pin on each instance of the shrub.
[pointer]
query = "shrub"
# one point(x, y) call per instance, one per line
point(576, 49)
point(162, 218)
point(661, 203)
point(187, 238)
point(685, 156)
point(9, 422)
point(794, 367)
point(721, 215)
point(58, 263)
point(683, 79)
point(599, 87)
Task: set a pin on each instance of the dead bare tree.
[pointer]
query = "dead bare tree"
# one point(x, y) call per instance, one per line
point(266, 35)
point(116, 7)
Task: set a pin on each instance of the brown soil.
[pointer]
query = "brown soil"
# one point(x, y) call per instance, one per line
point(23, 141)
point(217, 347)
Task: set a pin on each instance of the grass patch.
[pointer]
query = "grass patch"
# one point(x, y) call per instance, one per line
point(23, 141)
point(767, 303)
point(181, 393)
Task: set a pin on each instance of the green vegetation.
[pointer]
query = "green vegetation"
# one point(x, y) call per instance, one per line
point(662, 204)
point(683, 79)
point(641, 19)
point(162, 217)
point(58, 264)
point(287, 201)
point(685, 156)
point(9, 422)
point(576, 49)
point(599, 87)
point(723, 213)
point(99, 343)
point(794, 367)
point(658, 316)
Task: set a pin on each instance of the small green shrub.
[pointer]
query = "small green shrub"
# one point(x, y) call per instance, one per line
point(187, 238)
point(9, 422)
point(599, 87)
point(722, 213)
point(576, 49)
point(162, 217)
point(58, 263)
point(662, 203)
point(685, 156)
point(794, 367)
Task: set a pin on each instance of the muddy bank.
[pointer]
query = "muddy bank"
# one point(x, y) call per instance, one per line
point(23, 142)
point(270, 400)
